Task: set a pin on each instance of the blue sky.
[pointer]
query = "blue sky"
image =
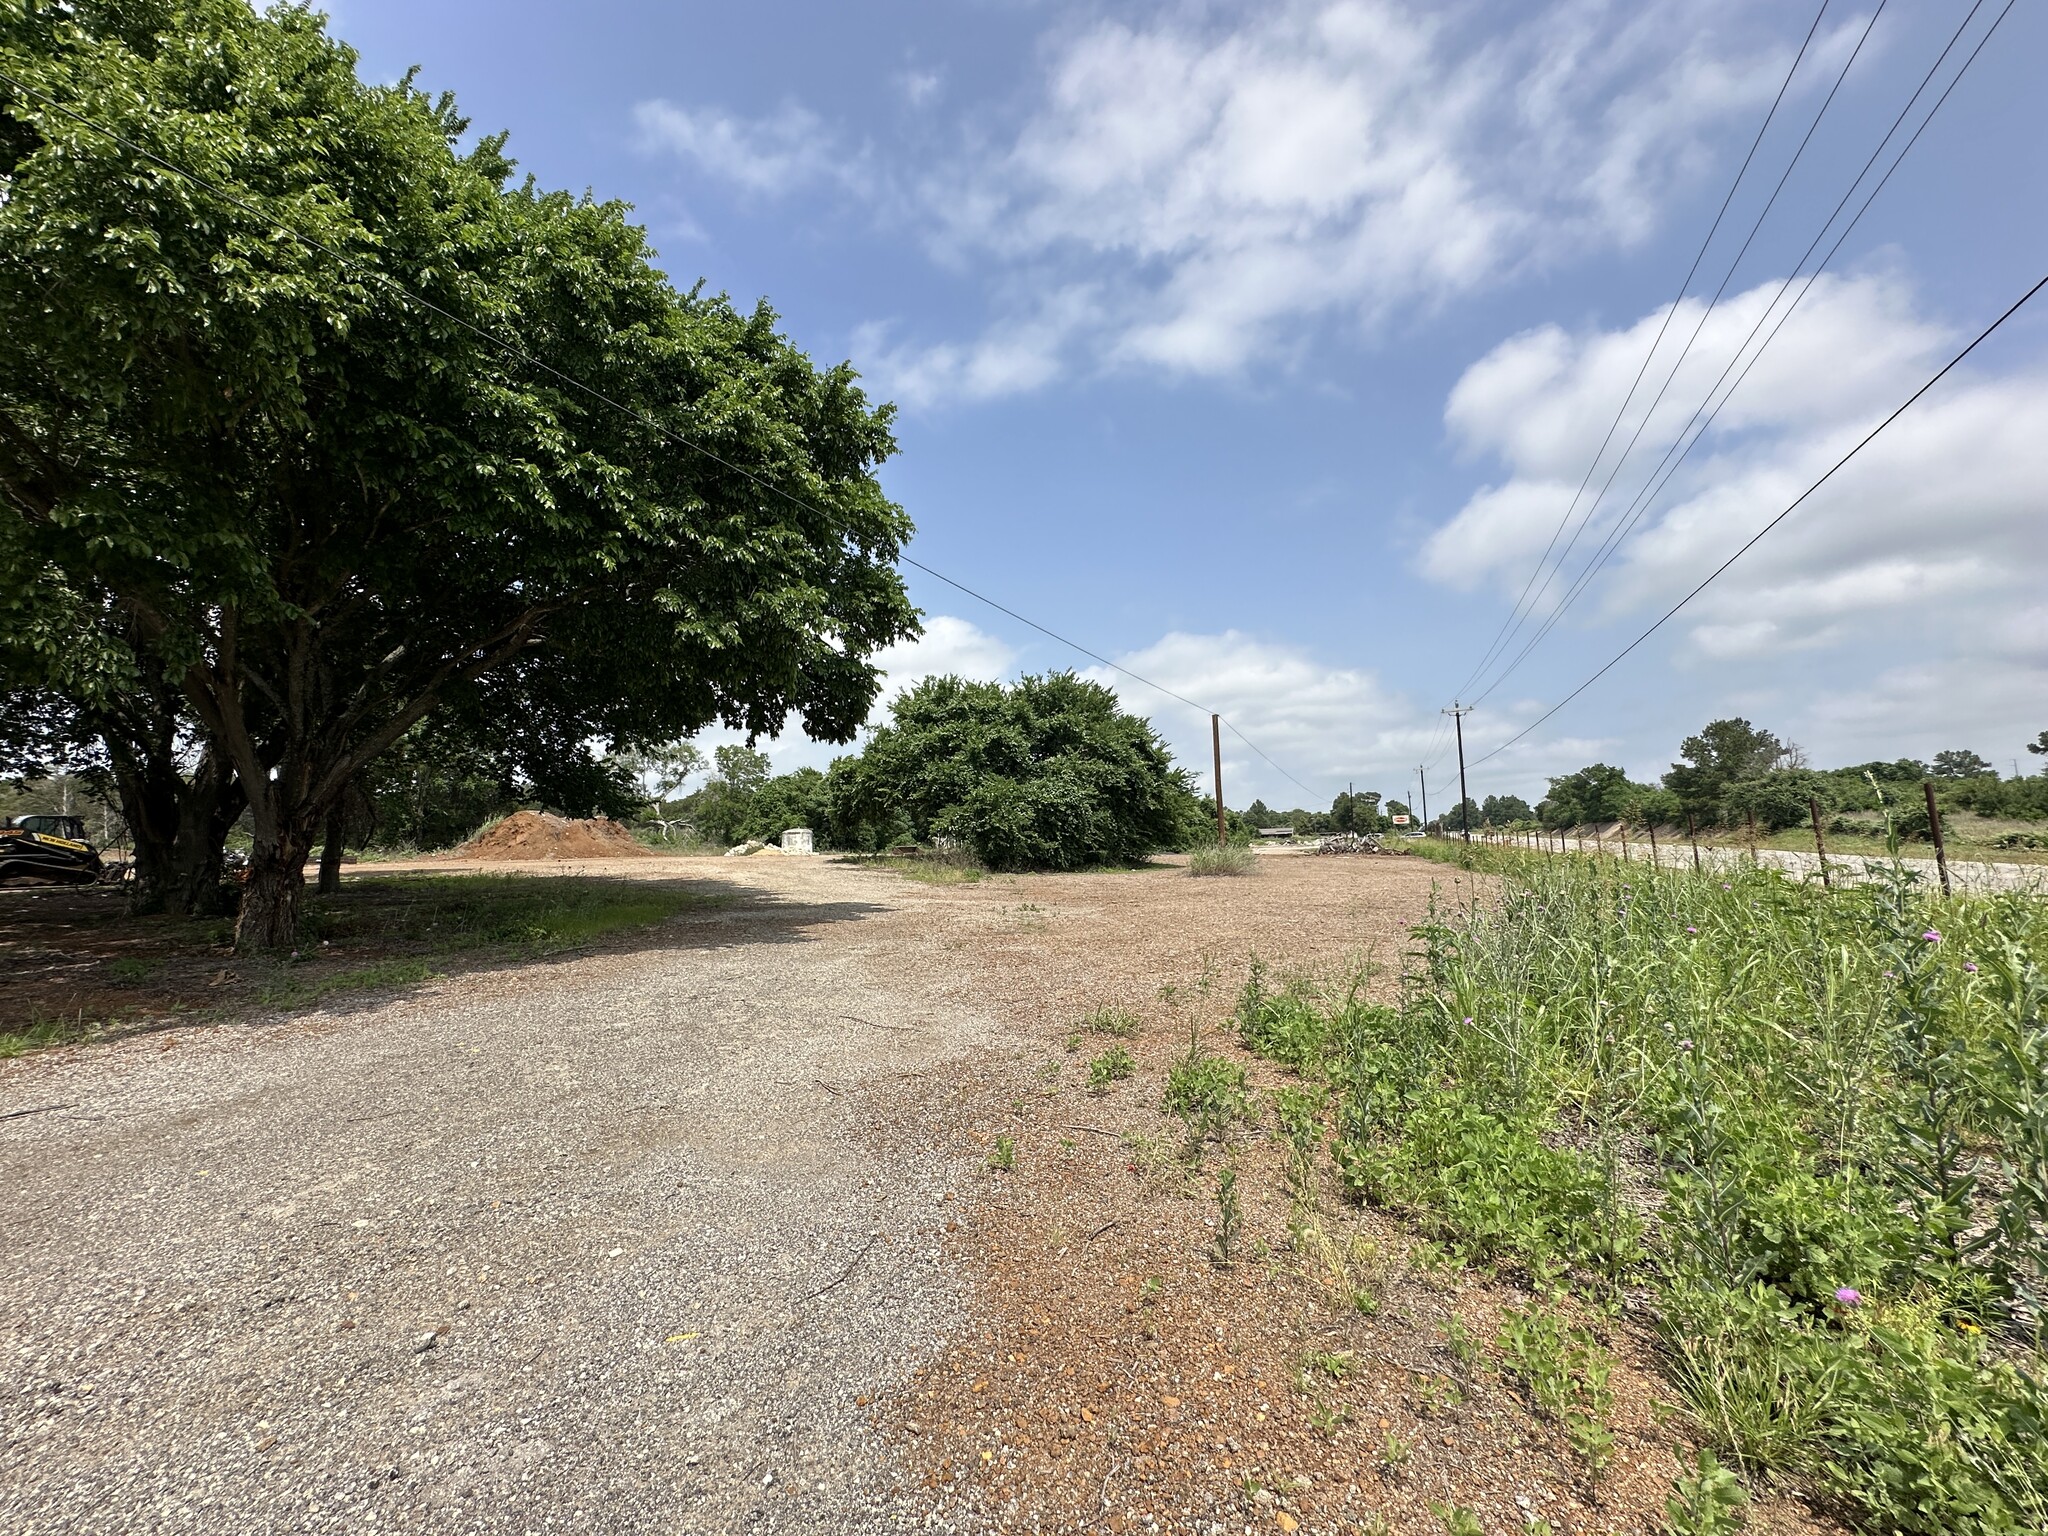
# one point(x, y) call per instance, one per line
point(1262, 347)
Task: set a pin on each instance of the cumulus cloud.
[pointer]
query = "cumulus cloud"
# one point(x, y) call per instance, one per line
point(1916, 569)
point(948, 645)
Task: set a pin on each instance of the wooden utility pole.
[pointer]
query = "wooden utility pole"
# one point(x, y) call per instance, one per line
point(1216, 747)
point(1458, 712)
point(1422, 778)
point(1819, 847)
point(1934, 828)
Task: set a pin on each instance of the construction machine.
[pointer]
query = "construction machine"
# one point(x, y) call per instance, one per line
point(47, 850)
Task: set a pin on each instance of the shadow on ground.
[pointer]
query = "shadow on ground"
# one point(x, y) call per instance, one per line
point(77, 965)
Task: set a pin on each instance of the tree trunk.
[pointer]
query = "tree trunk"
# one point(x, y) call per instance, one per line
point(330, 851)
point(271, 896)
point(197, 877)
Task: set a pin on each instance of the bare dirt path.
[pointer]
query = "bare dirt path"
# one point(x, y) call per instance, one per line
point(699, 1236)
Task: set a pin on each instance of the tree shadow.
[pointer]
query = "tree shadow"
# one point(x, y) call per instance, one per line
point(76, 966)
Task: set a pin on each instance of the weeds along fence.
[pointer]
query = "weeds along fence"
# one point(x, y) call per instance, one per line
point(1803, 1132)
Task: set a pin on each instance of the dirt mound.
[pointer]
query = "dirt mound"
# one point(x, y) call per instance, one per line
point(537, 835)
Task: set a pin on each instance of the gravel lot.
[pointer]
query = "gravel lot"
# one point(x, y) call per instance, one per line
point(671, 1238)
point(530, 1251)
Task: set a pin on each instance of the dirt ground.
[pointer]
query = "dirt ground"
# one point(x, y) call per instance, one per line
point(700, 1232)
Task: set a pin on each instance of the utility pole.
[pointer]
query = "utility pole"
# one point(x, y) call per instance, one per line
point(1423, 778)
point(1458, 712)
point(1216, 747)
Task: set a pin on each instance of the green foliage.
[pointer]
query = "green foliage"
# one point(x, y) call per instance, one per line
point(1564, 1371)
point(1838, 1098)
point(1002, 1157)
point(1961, 763)
point(1505, 810)
point(1598, 792)
point(1281, 1026)
point(1223, 859)
point(1723, 751)
point(1229, 1216)
point(1048, 773)
point(235, 448)
point(1111, 1067)
point(1110, 1020)
point(1777, 800)
point(1706, 1500)
point(1209, 1094)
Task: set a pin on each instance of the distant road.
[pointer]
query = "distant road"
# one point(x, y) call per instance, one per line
point(1964, 875)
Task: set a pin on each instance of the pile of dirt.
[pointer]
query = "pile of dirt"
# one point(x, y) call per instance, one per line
point(538, 835)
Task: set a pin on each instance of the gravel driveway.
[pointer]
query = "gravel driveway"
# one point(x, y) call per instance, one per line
point(615, 1244)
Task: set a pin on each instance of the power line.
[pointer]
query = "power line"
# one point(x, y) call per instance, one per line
point(1757, 537)
point(1514, 618)
point(1660, 477)
point(542, 365)
point(1706, 314)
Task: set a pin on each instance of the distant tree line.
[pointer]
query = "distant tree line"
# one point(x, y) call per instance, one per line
point(1733, 772)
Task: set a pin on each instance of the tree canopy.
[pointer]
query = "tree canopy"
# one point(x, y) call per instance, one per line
point(247, 471)
point(1045, 773)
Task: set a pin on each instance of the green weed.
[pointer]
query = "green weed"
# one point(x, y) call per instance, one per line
point(1208, 1094)
point(1002, 1158)
point(1229, 1217)
point(1111, 1067)
point(1706, 1500)
point(1118, 1022)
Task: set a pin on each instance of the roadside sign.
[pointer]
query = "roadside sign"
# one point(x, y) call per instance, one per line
point(1400, 821)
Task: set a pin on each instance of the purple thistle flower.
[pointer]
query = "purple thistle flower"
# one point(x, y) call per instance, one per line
point(1970, 966)
point(1849, 1296)
point(1932, 935)
point(1690, 929)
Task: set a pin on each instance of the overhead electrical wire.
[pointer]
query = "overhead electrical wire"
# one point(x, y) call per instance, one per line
point(1757, 537)
point(540, 364)
point(1706, 314)
point(1514, 617)
point(1662, 475)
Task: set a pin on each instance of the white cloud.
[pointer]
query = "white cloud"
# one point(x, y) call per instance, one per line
point(1229, 178)
point(948, 645)
point(1224, 181)
point(920, 87)
point(787, 150)
point(1906, 587)
point(1324, 725)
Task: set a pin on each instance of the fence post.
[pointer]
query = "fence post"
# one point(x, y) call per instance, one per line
point(1653, 844)
point(1753, 860)
point(1692, 834)
point(1819, 847)
point(1934, 827)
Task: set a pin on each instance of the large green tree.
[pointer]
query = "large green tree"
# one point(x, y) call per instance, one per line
point(323, 508)
point(1723, 751)
point(1048, 773)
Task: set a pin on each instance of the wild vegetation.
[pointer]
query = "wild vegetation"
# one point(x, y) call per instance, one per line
point(1800, 1134)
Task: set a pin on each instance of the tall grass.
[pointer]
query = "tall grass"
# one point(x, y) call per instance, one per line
point(1223, 859)
point(1812, 1126)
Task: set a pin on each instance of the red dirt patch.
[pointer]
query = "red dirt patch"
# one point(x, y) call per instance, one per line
point(538, 835)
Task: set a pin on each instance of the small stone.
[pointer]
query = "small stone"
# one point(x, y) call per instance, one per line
point(425, 1342)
